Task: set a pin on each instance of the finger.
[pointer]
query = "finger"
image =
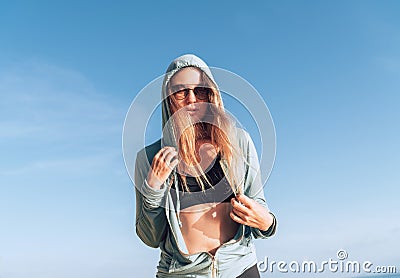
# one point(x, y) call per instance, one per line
point(159, 153)
point(170, 156)
point(164, 151)
point(173, 164)
point(158, 160)
point(160, 156)
point(236, 218)
point(157, 156)
point(241, 215)
point(245, 200)
point(240, 207)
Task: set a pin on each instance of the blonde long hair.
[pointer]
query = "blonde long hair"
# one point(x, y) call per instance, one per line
point(221, 132)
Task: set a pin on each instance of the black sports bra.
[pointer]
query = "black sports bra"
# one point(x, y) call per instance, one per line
point(219, 192)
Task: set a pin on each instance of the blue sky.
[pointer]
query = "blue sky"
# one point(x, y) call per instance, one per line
point(328, 71)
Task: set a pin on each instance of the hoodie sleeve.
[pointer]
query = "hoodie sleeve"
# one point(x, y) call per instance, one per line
point(253, 186)
point(150, 214)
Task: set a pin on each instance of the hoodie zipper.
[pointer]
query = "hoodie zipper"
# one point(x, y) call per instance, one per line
point(214, 261)
point(213, 267)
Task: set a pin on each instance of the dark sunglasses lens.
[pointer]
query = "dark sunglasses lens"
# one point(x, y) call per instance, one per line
point(202, 92)
point(180, 94)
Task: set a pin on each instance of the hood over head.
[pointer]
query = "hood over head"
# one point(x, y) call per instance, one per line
point(223, 132)
point(184, 61)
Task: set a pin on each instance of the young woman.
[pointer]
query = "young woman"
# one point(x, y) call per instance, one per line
point(199, 195)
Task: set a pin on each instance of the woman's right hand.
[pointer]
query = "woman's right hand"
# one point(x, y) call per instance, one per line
point(163, 163)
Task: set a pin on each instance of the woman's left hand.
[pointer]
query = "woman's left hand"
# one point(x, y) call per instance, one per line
point(249, 212)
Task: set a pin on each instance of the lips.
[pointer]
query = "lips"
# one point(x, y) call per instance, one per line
point(191, 109)
point(192, 112)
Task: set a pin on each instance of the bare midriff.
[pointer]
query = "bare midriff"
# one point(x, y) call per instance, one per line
point(205, 227)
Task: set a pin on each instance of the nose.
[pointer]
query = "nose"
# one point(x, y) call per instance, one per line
point(191, 97)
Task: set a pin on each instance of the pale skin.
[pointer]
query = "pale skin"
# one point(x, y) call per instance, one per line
point(205, 227)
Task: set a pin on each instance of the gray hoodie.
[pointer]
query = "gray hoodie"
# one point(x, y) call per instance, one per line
point(157, 218)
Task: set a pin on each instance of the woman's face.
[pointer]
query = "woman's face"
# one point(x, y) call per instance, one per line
point(188, 92)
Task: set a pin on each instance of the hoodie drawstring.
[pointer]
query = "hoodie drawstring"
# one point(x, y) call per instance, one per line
point(178, 202)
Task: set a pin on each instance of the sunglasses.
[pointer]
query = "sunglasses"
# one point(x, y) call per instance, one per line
point(201, 93)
